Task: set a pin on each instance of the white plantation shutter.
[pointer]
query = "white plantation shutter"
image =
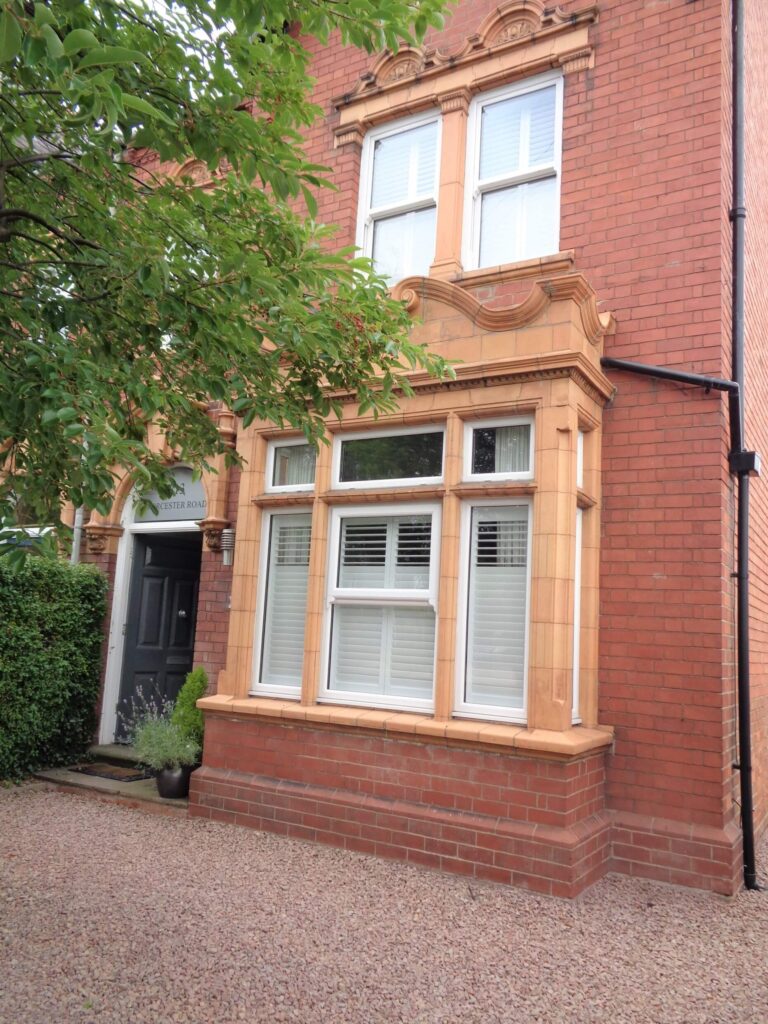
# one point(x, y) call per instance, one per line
point(378, 646)
point(285, 600)
point(383, 651)
point(391, 552)
point(496, 607)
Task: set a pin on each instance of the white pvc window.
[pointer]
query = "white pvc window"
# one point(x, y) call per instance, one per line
point(412, 455)
point(492, 657)
point(290, 466)
point(580, 459)
point(382, 606)
point(514, 145)
point(398, 197)
point(283, 603)
point(499, 450)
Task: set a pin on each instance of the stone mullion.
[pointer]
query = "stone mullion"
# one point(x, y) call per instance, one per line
point(550, 659)
point(445, 669)
point(235, 679)
point(317, 586)
point(450, 200)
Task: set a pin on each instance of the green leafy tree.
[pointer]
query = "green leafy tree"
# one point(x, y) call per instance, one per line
point(127, 296)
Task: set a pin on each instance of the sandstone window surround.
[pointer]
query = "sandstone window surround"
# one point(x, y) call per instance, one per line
point(535, 365)
point(520, 40)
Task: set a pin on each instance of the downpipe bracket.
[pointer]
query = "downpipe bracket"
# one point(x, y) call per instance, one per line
point(743, 463)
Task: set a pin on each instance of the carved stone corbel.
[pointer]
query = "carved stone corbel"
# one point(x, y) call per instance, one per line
point(102, 538)
point(212, 528)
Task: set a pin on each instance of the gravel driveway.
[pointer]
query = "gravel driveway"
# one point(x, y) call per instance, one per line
point(114, 915)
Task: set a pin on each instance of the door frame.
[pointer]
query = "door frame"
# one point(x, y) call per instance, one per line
point(119, 618)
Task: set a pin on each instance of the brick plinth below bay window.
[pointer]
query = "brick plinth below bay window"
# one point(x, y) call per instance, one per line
point(534, 822)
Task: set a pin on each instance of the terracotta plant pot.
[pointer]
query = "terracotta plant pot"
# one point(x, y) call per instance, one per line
point(173, 783)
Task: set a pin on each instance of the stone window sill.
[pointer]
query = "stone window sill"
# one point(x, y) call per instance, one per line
point(560, 262)
point(573, 742)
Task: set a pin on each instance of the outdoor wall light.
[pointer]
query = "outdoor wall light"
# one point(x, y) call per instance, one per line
point(227, 546)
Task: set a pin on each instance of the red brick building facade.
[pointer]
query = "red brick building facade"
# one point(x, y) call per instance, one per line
point(618, 752)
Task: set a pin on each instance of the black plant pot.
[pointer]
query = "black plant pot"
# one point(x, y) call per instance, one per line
point(173, 783)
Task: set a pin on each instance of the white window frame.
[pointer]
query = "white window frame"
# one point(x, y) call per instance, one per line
point(377, 597)
point(257, 689)
point(366, 214)
point(463, 708)
point(475, 190)
point(369, 435)
point(515, 421)
point(272, 446)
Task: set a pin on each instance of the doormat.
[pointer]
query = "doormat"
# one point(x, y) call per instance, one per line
point(112, 771)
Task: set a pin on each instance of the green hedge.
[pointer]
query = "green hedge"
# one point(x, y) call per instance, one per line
point(51, 618)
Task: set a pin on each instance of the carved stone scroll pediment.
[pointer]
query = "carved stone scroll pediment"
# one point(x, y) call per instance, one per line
point(512, 24)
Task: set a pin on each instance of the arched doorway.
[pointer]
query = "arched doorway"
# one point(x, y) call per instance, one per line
point(154, 615)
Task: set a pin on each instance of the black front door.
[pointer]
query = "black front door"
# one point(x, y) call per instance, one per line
point(160, 631)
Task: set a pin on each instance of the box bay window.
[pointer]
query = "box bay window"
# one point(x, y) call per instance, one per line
point(398, 197)
point(364, 570)
point(382, 586)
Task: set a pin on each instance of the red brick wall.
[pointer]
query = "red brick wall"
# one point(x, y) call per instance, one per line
point(642, 206)
point(213, 599)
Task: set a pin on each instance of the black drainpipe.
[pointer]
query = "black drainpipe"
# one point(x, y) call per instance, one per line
point(741, 465)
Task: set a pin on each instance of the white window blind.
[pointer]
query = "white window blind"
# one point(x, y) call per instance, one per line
point(496, 607)
point(382, 640)
point(285, 601)
point(399, 199)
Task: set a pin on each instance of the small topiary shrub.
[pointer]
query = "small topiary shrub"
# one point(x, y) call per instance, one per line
point(51, 617)
point(186, 715)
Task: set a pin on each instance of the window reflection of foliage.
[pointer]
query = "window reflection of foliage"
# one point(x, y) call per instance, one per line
point(398, 457)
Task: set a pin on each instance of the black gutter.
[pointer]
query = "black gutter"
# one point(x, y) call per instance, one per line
point(697, 380)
